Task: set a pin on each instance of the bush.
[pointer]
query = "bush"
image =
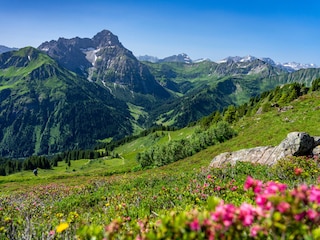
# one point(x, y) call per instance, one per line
point(297, 169)
point(179, 149)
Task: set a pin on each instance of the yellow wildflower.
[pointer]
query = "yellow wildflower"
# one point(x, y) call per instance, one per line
point(62, 226)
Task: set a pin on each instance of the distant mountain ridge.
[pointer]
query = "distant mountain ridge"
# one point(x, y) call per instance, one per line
point(290, 66)
point(184, 58)
point(71, 93)
point(4, 49)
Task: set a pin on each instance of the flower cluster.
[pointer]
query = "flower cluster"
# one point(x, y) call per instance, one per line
point(277, 212)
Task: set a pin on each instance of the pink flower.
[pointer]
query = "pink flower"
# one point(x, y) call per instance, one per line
point(227, 222)
point(312, 214)
point(314, 195)
point(273, 187)
point(205, 185)
point(224, 213)
point(283, 207)
point(300, 192)
point(233, 188)
point(260, 211)
point(298, 171)
point(261, 200)
point(300, 216)
point(194, 225)
point(246, 214)
point(209, 176)
point(258, 186)
point(254, 230)
point(52, 233)
point(249, 183)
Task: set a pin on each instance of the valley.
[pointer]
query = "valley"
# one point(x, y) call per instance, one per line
point(133, 95)
point(129, 144)
point(91, 197)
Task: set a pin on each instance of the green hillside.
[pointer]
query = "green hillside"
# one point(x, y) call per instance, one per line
point(201, 88)
point(46, 109)
point(113, 198)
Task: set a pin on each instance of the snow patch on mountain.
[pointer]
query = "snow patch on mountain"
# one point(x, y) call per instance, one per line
point(182, 57)
point(201, 60)
point(91, 55)
point(297, 66)
point(290, 67)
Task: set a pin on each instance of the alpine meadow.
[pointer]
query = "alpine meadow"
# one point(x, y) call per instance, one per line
point(96, 143)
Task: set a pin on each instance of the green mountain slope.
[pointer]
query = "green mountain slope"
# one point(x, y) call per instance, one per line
point(201, 88)
point(45, 108)
point(72, 92)
point(96, 205)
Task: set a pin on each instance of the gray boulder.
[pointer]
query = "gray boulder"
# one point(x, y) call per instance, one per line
point(295, 144)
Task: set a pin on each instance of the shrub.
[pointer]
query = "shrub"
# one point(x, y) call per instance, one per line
point(179, 149)
point(297, 169)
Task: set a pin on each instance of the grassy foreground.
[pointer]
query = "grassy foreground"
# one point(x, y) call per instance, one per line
point(110, 198)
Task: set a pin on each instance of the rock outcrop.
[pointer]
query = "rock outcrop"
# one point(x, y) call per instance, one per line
point(295, 144)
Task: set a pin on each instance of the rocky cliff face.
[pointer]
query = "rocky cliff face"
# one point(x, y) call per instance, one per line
point(103, 59)
point(295, 144)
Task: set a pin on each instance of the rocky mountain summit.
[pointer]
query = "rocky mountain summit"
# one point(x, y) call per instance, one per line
point(295, 144)
point(104, 60)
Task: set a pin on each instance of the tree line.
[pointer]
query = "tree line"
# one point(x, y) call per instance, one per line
point(179, 149)
point(216, 128)
point(113, 144)
point(277, 97)
point(213, 129)
point(9, 166)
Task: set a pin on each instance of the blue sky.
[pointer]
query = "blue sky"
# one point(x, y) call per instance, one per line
point(283, 30)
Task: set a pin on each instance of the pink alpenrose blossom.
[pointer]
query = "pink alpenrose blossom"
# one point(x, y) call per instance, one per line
point(283, 207)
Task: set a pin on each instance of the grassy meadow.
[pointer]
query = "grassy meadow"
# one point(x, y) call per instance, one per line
point(113, 198)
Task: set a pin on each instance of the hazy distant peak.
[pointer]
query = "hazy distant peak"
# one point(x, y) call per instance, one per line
point(236, 59)
point(289, 67)
point(148, 58)
point(297, 66)
point(182, 57)
point(4, 49)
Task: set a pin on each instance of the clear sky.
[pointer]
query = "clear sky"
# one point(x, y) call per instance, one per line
point(283, 30)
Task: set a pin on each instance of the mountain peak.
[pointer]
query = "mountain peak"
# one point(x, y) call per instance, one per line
point(289, 67)
point(182, 57)
point(106, 38)
point(104, 60)
point(4, 49)
point(237, 59)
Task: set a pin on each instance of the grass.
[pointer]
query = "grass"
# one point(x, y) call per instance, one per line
point(99, 190)
point(136, 112)
point(269, 128)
